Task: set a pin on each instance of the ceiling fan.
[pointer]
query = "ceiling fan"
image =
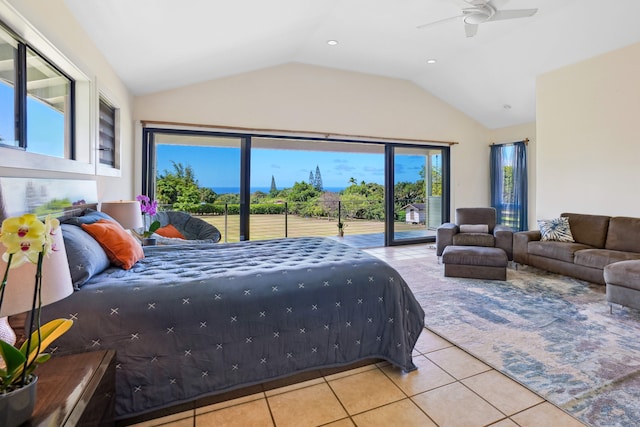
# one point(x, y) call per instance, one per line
point(481, 11)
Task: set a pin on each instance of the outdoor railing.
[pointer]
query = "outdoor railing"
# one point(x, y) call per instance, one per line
point(300, 219)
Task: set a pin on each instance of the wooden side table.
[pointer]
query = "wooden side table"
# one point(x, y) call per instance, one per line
point(76, 390)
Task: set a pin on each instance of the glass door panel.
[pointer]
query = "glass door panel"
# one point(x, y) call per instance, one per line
point(417, 193)
point(200, 174)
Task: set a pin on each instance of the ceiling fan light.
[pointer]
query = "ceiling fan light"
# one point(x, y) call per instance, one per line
point(476, 17)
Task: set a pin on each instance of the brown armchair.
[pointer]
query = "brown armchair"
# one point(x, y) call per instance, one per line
point(475, 227)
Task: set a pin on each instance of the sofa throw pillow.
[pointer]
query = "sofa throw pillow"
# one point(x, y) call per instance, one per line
point(170, 231)
point(556, 229)
point(474, 228)
point(121, 247)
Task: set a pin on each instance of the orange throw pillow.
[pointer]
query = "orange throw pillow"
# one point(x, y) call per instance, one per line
point(121, 248)
point(170, 231)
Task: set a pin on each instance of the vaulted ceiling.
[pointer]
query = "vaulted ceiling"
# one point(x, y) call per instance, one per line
point(156, 45)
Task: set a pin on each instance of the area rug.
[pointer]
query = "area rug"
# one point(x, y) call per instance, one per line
point(552, 333)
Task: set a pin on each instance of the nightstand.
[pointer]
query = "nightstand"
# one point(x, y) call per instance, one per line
point(76, 390)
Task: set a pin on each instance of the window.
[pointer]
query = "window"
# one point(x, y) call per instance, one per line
point(108, 131)
point(509, 184)
point(36, 101)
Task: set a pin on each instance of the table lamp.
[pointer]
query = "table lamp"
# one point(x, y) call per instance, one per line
point(56, 283)
point(126, 212)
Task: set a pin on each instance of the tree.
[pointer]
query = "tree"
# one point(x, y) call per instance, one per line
point(179, 185)
point(274, 189)
point(311, 178)
point(302, 192)
point(207, 195)
point(507, 190)
point(317, 181)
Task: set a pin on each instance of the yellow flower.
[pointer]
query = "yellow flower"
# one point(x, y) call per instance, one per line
point(25, 237)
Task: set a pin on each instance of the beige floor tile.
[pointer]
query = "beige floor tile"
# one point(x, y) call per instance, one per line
point(545, 414)
point(227, 403)
point(427, 377)
point(366, 390)
point(250, 414)
point(173, 420)
point(310, 406)
point(429, 341)
point(294, 387)
point(454, 405)
point(504, 423)
point(502, 392)
point(403, 413)
point(345, 422)
point(331, 377)
point(458, 363)
point(185, 422)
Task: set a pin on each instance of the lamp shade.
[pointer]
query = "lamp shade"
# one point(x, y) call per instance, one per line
point(56, 280)
point(126, 212)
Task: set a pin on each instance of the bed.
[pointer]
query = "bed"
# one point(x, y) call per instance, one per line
point(189, 321)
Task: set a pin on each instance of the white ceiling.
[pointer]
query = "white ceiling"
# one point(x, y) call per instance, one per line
point(156, 45)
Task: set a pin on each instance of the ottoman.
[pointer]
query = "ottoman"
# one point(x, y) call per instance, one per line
point(475, 262)
point(623, 283)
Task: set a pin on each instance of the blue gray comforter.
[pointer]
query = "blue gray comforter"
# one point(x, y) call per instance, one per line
point(194, 320)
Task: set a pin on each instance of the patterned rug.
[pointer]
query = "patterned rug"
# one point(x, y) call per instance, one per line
point(552, 333)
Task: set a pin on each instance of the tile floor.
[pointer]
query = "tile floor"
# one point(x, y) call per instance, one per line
point(450, 388)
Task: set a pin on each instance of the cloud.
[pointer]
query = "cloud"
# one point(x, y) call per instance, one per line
point(374, 171)
point(343, 167)
point(274, 166)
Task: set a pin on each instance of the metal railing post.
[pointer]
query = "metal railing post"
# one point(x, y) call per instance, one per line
point(286, 219)
point(226, 228)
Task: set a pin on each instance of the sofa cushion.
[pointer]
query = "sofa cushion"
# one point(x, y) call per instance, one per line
point(623, 234)
point(474, 239)
point(563, 251)
point(589, 229)
point(474, 228)
point(625, 274)
point(600, 258)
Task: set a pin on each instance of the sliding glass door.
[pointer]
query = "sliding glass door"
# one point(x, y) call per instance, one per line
point(416, 180)
point(253, 187)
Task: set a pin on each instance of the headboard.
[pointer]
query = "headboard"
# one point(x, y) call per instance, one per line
point(44, 196)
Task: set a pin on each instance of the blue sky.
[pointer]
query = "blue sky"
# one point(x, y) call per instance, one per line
point(220, 167)
point(45, 125)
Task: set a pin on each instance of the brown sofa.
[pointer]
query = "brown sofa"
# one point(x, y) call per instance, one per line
point(599, 241)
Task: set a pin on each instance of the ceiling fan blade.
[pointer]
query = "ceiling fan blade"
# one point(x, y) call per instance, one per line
point(470, 29)
point(438, 22)
point(512, 14)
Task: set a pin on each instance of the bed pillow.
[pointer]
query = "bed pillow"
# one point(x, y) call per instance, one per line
point(121, 247)
point(85, 255)
point(556, 229)
point(170, 231)
point(89, 216)
point(474, 228)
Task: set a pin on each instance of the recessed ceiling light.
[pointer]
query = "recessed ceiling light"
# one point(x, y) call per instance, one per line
point(332, 42)
point(431, 61)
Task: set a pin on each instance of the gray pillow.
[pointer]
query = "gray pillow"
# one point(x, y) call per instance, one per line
point(89, 216)
point(85, 255)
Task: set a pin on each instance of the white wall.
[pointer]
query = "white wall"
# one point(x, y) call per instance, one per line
point(588, 154)
point(51, 21)
point(298, 97)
